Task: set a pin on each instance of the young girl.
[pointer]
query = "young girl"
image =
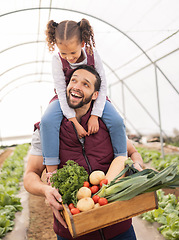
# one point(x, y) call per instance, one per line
point(75, 42)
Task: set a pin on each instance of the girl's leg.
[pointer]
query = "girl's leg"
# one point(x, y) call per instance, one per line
point(49, 133)
point(116, 127)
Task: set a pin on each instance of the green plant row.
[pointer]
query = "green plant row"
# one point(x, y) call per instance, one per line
point(168, 212)
point(10, 178)
point(157, 162)
point(167, 215)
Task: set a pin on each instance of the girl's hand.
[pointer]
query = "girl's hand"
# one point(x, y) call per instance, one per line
point(93, 125)
point(80, 130)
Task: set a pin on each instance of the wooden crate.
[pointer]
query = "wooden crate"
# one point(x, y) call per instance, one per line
point(109, 214)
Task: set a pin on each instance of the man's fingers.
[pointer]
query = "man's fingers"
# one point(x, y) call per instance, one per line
point(53, 198)
point(59, 217)
point(57, 195)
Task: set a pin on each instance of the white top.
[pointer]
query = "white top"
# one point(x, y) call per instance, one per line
point(60, 84)
point(36, 148)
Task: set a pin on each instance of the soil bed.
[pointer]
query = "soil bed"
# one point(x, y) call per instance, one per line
point(41, 220)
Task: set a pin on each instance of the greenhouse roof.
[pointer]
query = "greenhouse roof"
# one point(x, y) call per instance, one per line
point(138, 42)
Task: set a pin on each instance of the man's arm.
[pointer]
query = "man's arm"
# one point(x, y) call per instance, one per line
point(118, 164)
point(34, 185)
point(135, 156)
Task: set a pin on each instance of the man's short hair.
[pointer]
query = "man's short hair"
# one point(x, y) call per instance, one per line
point(94, 72)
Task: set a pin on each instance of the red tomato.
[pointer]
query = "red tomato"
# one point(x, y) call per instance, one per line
point(71, 205)
point(86, 184)
point(102, 201)
point(104, 181)
point(94, 189)
point(75, 211)
point(95, 198)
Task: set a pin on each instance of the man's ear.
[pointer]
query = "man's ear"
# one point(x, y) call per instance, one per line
point(95, 95)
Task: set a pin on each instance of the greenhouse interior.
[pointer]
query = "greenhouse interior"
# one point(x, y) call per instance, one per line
point(138, 44)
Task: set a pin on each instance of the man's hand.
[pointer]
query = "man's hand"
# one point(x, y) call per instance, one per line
point(53, 198)
point(34, 185)
point(138, 166)
point(93, 125)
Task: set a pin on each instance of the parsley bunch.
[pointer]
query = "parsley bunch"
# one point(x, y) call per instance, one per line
point(68, 180)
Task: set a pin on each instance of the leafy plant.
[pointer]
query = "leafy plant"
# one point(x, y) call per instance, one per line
point(157, 162)
point(148, 155)
point(10, 176)
point(167, 215)
point(168, 212)
point(68, 180)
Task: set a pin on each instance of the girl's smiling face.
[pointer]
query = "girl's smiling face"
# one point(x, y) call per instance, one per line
point(71, 50)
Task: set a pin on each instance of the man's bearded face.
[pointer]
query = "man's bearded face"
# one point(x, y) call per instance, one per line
point(80, 90)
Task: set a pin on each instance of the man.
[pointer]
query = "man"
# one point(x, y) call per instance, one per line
point(93, 153)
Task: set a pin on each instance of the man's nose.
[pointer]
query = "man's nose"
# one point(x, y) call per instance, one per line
point(77, 86)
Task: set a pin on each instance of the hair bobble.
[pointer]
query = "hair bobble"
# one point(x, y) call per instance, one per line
point(54, 24)
point(79, 23)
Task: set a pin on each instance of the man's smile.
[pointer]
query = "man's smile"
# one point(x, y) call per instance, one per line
point(76, 94)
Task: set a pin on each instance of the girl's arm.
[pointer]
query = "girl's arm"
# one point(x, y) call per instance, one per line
point(60, 86)
point(99, 103)
point(98, 107)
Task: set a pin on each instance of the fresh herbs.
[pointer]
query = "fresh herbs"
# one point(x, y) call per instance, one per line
point(68, 180)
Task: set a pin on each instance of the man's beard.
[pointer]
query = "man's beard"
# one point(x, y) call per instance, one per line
point(83, 102)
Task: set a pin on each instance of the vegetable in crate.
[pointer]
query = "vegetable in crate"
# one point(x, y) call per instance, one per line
point(147, 180)
point(68, 180)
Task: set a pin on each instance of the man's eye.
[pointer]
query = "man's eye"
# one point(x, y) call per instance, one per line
point(86, 85)
point(73, 80)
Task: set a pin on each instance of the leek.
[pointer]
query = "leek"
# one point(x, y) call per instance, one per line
point(147, 180)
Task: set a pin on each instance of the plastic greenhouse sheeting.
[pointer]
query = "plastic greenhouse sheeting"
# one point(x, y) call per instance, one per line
point(137, 40)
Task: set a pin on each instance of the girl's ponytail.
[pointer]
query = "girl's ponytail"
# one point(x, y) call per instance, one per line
point(87, 34)
point(50, 35)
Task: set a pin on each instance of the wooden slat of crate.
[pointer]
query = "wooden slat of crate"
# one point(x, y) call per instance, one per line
point(109, 214)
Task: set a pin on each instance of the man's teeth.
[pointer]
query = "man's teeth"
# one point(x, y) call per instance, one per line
point(75, 95)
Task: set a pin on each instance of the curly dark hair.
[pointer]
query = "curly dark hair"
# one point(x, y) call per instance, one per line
point(66, 30)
